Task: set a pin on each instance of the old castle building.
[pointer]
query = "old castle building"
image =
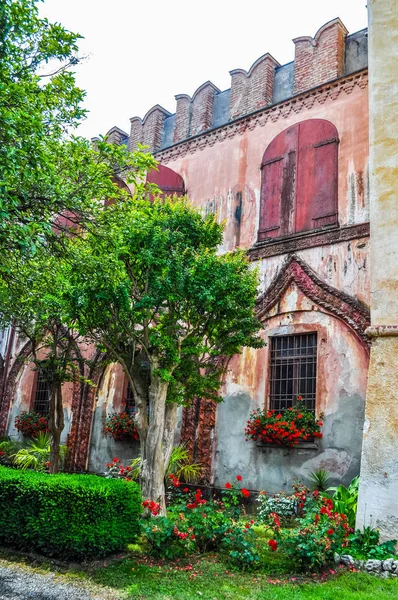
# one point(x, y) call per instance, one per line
point(282, 158)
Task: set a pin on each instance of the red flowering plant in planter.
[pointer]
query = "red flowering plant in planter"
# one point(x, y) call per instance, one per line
point(31, 423)
point(120, 426)
point(287, 428)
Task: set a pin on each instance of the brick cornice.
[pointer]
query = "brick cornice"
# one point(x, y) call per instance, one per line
point(343, 306)
point(312, 239)
point(302, 101)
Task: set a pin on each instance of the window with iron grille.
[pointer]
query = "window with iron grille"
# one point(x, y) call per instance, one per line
point(293, 371)
point(130, 401)
point(42, 397)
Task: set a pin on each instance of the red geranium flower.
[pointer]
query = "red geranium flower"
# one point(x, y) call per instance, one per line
point(228, 485)
point(185, 490)
point(330, 531)
point(273, 544)
point(239, 477)
point(245, 492)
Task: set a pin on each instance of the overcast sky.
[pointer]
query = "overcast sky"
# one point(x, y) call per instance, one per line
point(142, 53)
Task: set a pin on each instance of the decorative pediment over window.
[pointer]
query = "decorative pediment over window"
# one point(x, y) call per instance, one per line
point(331, 300)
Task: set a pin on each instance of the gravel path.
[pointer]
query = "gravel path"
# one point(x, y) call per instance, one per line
point(23, 584)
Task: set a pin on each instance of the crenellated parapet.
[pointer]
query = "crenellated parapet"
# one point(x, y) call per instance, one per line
point(149, 130)
point(326, 57)
point(321, 58)
point(253, 89)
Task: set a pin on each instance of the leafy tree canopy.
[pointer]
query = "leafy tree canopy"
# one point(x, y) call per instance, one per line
point(153, 286)
point(44, 171)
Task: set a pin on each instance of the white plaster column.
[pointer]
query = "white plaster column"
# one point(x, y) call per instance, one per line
point(378, 491)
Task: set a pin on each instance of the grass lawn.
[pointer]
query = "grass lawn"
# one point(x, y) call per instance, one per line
point(135, 576)
point(209, 579)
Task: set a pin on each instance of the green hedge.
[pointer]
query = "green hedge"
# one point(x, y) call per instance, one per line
point(68, 516)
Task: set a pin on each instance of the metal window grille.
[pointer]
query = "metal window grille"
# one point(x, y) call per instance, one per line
point(130, 401)
point(42, 398)
point(293, 371)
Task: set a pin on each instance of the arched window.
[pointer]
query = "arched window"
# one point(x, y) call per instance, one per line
point(168, 180)
point(299, 180)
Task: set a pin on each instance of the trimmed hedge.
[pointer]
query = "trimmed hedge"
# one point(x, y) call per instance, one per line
point(68, 516)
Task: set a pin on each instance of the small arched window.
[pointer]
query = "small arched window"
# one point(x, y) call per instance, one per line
point(299, 180)
point(170, 182)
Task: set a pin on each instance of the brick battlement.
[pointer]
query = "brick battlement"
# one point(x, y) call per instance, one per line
point(330, 54)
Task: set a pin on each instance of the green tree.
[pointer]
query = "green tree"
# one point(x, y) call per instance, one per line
point(45, 172)
point(149, 287)
point(32, 301)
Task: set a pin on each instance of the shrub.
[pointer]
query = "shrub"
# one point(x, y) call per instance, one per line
point(282, 504)
point(345, 500)
point(68, 516)
point(240, 543)
point(30, 423)
point(165, 538)
point(286, 429)
point(7, 450)
point(200, 524)
point(116, 470)
point(365, 544)
point(320, 533)
point(120, 426)
point(36, 455)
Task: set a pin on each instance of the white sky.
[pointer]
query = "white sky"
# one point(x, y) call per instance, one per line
point(142, 53)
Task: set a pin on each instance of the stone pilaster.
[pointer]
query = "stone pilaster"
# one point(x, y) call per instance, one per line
point(378, 491)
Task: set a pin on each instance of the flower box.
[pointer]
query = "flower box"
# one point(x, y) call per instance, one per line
point(121, 426)
point(31, 423)
point(293, 427)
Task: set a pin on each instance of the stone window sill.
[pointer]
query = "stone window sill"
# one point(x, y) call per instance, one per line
point(300, 446)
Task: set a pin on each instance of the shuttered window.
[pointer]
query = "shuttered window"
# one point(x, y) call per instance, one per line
point(299, 180)
point(170, 182)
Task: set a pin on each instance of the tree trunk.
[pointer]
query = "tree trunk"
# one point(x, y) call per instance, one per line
point(56, 426)
point(152, 461)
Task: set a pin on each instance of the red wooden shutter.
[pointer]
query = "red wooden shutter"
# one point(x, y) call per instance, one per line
point(168, 180)
point(299, 180)
point(316, 188)
point(278, 185)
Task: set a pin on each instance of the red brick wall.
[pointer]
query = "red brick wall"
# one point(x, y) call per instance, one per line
point(252, 90)
point(321, 58)
point(202, 108)
point(183, 116)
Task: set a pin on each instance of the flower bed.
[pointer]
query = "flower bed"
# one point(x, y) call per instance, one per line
point(120, 426)
point(198, 524)
point(31, 423)
point(318, 535)
point(285, 429)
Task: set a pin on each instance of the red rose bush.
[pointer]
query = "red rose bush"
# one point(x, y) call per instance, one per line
point(320, 532)
point(199, 524)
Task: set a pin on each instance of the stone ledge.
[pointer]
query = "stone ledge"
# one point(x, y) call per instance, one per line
point(300, 446)
point(309, 239)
